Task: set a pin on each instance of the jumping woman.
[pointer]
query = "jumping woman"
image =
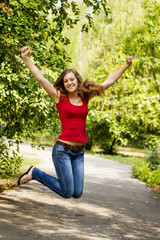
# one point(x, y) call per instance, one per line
point(71, 95)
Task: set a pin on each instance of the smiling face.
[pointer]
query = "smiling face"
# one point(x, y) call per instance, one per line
point(70, 82)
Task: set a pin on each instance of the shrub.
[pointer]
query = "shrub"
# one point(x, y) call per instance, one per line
point(143, 172)
point(154, 159)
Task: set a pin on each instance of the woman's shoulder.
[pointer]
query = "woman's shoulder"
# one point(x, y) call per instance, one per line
point(62, 98)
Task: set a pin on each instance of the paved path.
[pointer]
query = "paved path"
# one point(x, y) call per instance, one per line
point(114, 206)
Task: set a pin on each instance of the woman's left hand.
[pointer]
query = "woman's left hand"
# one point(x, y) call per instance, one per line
point(129, 60)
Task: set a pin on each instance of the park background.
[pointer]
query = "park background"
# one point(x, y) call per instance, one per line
point(94, 37)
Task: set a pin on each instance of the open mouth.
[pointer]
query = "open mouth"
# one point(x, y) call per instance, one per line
point(71, 87)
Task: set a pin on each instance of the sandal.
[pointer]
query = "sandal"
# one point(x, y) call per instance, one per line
point(26, 179)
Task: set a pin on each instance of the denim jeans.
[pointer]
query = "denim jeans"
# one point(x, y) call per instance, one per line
point(69, 167)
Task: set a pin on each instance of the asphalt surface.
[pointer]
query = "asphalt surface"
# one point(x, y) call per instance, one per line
point(114, 206)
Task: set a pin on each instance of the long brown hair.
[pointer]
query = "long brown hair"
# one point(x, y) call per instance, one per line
point(86, 87)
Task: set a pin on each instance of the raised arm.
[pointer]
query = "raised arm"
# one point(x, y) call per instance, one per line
point(38, 75)
point(116, 75)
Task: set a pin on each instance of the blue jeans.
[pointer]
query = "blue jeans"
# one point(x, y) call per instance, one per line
point(69, 167)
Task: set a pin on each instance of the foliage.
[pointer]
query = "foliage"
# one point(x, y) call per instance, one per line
point(104, 130)
point(9, 165)
point(130, 111)
point(148, 171)
point(25, 107)
point(92, 50)
point(142, 171)
point(153, 159)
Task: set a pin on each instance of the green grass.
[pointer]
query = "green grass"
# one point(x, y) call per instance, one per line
point(43, 139)
point(27, 162)
point(130, 160)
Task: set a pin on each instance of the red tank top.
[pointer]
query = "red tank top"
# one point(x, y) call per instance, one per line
point(73, 119)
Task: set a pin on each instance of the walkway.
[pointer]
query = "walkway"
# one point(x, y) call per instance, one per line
point(114, 206)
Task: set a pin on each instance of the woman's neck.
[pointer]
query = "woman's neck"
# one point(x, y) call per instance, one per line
point(73, 95)
point(75, 99)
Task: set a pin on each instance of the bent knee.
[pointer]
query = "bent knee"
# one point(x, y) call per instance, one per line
point(77, 194)
point(68, 194)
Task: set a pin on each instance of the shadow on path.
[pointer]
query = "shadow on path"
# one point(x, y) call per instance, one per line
point(113, 207)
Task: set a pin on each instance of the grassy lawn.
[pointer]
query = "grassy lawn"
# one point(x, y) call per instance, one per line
point(124, 155)
point(119, 157)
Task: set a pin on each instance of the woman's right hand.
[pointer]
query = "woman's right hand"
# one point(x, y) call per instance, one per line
point(25, 51)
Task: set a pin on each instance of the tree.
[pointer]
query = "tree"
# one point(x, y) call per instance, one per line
point(134, 100)
point(25, 107)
